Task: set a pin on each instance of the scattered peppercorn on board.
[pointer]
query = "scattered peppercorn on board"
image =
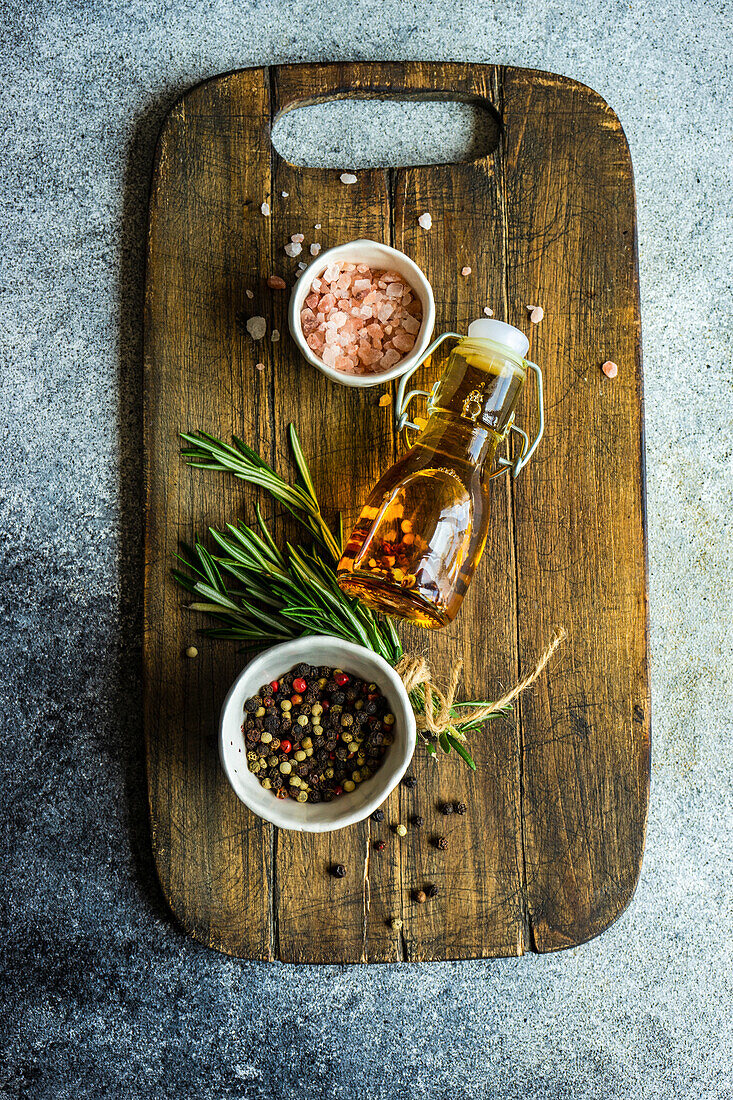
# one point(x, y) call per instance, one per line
point(549, 849)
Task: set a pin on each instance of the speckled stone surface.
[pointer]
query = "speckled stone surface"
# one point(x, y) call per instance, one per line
point(101, 995)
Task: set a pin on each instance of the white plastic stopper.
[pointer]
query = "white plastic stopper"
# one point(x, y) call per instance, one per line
point(486, 328)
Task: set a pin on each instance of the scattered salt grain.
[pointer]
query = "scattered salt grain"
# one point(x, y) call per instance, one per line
point(265, 208)
point(315, 249)
point(425, 221)
point(276, 283)
point(249, 293)
point(284, 194)
point(384, 400)
point(536, 313)
point(465, 271)
point(275, 335)
point(610, 369)
point(259, 366)
point(302, 266)
point(317, 225)
point(293, 248)
point(488, 312)
point(257, 327)
point(347, 177)
point(297, 238)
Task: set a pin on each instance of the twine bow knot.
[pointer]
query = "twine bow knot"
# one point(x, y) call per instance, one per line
point(438, 715)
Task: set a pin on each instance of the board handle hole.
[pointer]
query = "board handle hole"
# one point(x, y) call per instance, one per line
point(363, 132)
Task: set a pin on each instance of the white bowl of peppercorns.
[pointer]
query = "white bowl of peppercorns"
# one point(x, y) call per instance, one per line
point(315, 734)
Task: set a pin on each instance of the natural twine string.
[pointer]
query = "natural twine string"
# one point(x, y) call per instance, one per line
point(415, 672)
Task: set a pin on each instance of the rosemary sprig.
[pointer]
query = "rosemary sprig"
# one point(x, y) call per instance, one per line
point(208, 453)
point(259, 595)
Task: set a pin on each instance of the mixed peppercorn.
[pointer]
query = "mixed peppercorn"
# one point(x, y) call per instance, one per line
point(316, 733)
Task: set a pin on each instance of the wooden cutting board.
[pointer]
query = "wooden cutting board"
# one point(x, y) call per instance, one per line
point(549, 852)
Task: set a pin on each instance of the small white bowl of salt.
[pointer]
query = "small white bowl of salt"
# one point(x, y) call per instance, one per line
point(362, 313)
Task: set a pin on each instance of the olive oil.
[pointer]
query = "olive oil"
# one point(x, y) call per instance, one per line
point(423, 529)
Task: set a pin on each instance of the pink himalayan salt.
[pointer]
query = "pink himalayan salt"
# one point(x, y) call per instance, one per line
point(425, 221)
point(610, 369)
point(536, 313)
point(340, 303)
point(465, 271)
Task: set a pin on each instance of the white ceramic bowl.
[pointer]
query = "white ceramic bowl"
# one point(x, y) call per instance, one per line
point(320, 817)
point(381, 257)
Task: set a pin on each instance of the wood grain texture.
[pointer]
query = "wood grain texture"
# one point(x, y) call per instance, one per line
point(550, 850)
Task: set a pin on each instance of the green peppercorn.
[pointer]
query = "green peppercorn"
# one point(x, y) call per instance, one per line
point(328, 773)
point(309, 751)
point(347, 720)
point(401, 830)
point(302, 720)
point(307, 743)
point(389, 719)
point(251, 755)
point(349, 785)
point(316, 709)
point(302, 796)
point(260, 712)
point(356, 776)
point(266, 783)
point(299, 756)
point(272, 761)
point(286, 705)
point(265, 738)
point(286, 767)
point(347, 737)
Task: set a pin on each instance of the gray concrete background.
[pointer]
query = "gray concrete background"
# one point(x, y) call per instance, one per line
point(102, 996)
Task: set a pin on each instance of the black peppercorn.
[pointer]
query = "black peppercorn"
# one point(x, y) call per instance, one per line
point(339, 870)
point(420, 896)
point(441, 843)
point(461, 808)
point(301, 670)
point(447, 808)
point(410, 782)
point(418, 821)
point(431, 890)
point(378, 815)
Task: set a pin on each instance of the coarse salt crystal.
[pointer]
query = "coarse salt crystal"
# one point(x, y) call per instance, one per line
point(610, 369)
point(297, 238)
point(275, 335)
point(465, 271)
point(347, 177)
point(293, 249)
point(259, 366)
point(536, 313)
point(425, 221)
point(317, 225)
point(257, 327)
point(265, 209)
point(488, 312)
point(276, 283)
point(302, 266)
point(315, 249)
point(249, 293)
point(284, 194)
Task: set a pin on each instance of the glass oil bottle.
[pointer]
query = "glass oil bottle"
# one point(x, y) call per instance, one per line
point(422, 531)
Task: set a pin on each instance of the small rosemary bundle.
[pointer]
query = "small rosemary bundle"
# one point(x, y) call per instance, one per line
point(261, 595)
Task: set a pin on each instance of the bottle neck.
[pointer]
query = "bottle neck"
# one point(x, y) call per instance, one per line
point(458, 440)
